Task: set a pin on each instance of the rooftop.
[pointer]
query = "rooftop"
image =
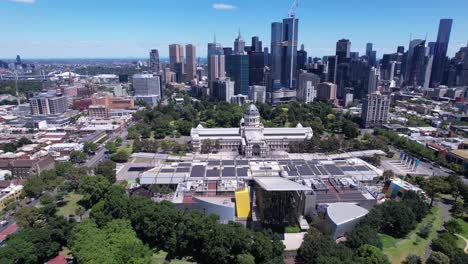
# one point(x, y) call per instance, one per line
point(341, 213)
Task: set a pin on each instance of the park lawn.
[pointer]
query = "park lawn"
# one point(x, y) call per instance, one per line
point(464, 226)
point(159, 258)
point(127, 148)
point(397, 249)
point(71, 203)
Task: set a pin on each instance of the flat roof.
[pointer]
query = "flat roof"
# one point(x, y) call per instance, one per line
point(462, 153)
point(341, 213)
point(280, 184)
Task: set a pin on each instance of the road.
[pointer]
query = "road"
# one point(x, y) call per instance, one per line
point(100, 154)
point(11, 227)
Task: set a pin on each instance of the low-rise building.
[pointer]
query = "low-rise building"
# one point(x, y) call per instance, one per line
point(27, 168)
point(10, 194)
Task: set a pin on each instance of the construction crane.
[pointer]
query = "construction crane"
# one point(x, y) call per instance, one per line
point(292, 14)
point(292, 10)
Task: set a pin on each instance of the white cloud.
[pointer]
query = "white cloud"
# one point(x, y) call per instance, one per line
point(222, 6)
point(24, 1)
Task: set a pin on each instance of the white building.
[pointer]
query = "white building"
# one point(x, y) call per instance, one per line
point(257, 94)
point(251, 138)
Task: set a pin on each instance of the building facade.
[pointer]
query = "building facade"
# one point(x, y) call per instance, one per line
point(48, 103)
point(154, 63)
point(191, 62)
point(237, 68)
point(375, 110)
point(251, 139)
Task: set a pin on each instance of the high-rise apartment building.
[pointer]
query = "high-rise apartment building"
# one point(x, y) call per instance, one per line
point(48, 103)
point(217, 67)
point(191, 62)
point(440, 51)
point(373, 80)
point(375, 110)
point(237, 68)
point(257, 93)
point(146, 84)
point(154, 63)
point(307, 88)
point(176, 54)
point(223, 89)
point(326, 91)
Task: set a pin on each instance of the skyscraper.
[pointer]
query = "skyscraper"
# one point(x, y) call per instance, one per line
point(284, 53)
point(154, 63)
point(368, 49)
point(307, 87)
point(217, 67)
point(289, 52)
point(343, 48)
point(408, 63)
point(417, 64)
point(256, 44)
point(176, 55)
point(440, 51)
point(214, 48)
point(276, 44)
point(239, 44)
point(237, 68)
point(256, 68)
point(301, 58)
point(191, 62)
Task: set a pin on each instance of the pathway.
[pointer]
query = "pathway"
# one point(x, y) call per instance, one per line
point(466, 242)
point(446, 216)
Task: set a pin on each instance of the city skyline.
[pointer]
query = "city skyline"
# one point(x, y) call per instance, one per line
point(53, 29)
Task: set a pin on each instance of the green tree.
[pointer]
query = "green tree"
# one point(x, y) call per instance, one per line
point(412, 259)
point(90, 147)
point(435, 185)
point(29, 217)
point(361, 235)
point(34, 187)
point(120, 156)
point(350, 129)
point(245, 259)
point(94, 189)
point(114, 243)
point(368, 254)
point(77, 157)
point(453, 227)
point(106, 169)
point(438, 258)
point(18, 250)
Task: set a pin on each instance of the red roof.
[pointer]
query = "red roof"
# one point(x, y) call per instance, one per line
point(60, 259)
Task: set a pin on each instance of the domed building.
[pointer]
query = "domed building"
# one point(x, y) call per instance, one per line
point(250, 139)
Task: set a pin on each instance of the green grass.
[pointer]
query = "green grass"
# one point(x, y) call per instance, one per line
point(71, 203)
point(398, 249)
point(464, 226)
point(159, 258)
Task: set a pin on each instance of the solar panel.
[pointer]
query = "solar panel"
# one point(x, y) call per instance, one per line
point(313, 162)
point(315, 170)
point(322, 170)
point(334, 170)
point(283, 162)
point(347, 168)
point(304, 170)
point(227, 162)
point(228, 172)
point(183, 169)
point(212, 173)
point(167, 170)
point(292, 167)
point(198, 171)
point(293, 173)
point(242, 162)
point(138, 168)
point(185, 164)
point(242, 172)
point(214, 162)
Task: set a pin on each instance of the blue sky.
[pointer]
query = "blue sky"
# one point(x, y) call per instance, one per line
point(129, 28)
